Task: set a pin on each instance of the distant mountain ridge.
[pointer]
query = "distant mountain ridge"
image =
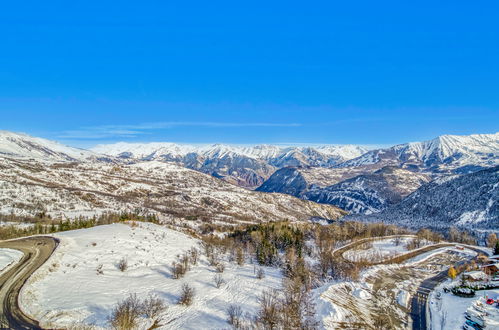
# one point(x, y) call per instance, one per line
point(446, 153)
point(382, 177)
point(247, 166)
point(392, 184)
point(20, 145)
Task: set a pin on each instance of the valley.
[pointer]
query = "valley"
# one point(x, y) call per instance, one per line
point(244, 237)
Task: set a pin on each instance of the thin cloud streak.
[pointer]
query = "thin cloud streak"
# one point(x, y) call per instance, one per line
point(130, 131)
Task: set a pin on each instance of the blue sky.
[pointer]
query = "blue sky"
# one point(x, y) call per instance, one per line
point(364, 72)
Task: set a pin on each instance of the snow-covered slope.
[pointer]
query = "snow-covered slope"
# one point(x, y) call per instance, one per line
point(468, 201)
point(247, 166)
point(369, 193)
point(29, 187)
point(297, 181)
point(359, 189)
point(68, 288)
point(447, 153)
point(18, 145)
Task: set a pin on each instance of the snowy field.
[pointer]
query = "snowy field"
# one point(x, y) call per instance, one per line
point(447, 313)
point(68, 290)
point(378, 250)
point(8, 257)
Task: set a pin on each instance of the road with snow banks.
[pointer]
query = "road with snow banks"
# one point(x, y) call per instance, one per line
point(36, 251)
point(419, 301)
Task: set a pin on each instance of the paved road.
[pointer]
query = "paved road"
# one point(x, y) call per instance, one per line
point(36, 251)
point(419, 301)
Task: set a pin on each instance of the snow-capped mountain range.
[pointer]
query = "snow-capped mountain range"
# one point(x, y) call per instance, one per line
point(446, 153)
point(247, 166)
point(38, 176)
point(382, 177)
point(20, 145)
point(127, 176)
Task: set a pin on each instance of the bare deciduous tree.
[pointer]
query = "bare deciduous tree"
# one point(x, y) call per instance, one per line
point(268, 315)
point(240, 256)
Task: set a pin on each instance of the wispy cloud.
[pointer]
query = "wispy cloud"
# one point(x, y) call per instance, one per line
point(130, 131)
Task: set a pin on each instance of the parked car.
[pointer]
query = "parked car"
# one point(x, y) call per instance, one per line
point(475, 321)
point(472, 325)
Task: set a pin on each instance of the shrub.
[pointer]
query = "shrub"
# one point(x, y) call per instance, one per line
point(194, 256)
point(260, 273)
point(218, 279)
point(99, 270)
point(234, 316)
point(463, 292)
point(123, 264)
point(178, 270)
point(213, 259)
point(153, 307)
point(220, 267)
point(126, 313)
point(186, 295)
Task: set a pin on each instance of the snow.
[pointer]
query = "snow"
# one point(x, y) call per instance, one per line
point(158, 150)
point(332, 301)
point(476, 149)
point(68, 289)
point(25, 146)
point(448, 311)
point(403, 298)
point(381, 249)
point(91, 188)
point(8, 257)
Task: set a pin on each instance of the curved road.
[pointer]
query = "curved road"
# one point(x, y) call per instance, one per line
point(36, 251)
point(419, 302)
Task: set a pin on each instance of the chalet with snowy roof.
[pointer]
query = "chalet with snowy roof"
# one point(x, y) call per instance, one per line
point(475, 276)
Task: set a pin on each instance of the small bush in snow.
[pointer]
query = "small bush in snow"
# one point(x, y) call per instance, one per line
point(213, 259)
point(153, 307)
point(123, 264)
point(220, 267)
point(126, 313)
point(99, 270)
point(218, 279)
point(194, 256)
point(186, 295)
point(260, 273)
point(178, 270)
point(234, 316)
